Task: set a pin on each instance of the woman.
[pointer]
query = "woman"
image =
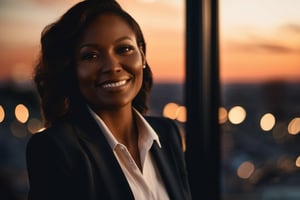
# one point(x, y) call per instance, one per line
point(93, 80)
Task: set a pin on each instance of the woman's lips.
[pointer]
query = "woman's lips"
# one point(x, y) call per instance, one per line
point(114, 84)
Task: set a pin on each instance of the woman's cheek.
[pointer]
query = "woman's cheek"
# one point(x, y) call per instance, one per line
point(136, 61)
point(83, 72)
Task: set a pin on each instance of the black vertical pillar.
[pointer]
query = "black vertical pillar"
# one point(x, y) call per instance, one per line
point(202, 99)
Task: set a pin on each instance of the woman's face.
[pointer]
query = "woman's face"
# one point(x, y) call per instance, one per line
point(109, 63)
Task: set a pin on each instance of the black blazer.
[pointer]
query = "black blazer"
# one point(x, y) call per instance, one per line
point(72, 160)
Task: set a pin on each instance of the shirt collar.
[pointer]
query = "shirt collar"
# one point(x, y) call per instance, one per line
point(145, 127)
point(146, 132)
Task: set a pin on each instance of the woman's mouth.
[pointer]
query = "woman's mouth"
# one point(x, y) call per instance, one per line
point(114, 84)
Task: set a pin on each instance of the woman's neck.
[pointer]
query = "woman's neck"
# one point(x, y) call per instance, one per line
point(120, 122)
point(123, 126)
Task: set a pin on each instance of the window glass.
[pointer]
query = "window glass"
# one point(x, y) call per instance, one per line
point(260, 95)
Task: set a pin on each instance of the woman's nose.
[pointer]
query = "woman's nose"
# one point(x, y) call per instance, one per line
point(111, 64)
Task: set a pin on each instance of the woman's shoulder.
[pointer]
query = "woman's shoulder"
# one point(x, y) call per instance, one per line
point(167, 129)
point(53, 131)
point(162, 123)
point(158, 120)
point(59, 133)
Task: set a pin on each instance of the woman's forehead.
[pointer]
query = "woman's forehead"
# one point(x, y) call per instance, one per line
point(108, 25)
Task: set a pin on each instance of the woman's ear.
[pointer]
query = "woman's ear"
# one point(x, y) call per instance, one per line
point(143, 56)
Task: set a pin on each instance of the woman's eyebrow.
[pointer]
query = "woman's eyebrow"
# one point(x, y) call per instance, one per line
point(123, 38)
point(94, 45)
point(88, 45)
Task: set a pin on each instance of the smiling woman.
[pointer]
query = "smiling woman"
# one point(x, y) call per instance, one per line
point(259, 41)
point(93, 80)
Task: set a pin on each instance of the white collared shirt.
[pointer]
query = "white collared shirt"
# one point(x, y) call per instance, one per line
point(146, 184)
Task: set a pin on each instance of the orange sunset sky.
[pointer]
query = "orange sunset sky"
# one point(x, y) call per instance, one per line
point(259, 39)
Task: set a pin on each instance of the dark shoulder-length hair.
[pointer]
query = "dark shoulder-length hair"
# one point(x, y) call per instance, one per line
point(55, 75)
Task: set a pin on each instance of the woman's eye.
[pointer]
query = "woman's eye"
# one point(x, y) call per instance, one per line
point(90, 56)
point(124, 50)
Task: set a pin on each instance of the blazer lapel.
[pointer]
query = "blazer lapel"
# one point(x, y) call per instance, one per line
point(165, 161)
point(101, 154)
point(109, 169)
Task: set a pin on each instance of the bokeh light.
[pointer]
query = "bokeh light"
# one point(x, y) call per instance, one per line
point(245, 170)
point(298, 161)
point(223, 115)
point(181, 114)
point(267, 122)
point(294, 126)
point(170, 110)
point(237, 114)
point(2, 114)
point(21, 113)
point(175, 111)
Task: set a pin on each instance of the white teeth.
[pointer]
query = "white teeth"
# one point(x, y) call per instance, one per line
point(116, 84)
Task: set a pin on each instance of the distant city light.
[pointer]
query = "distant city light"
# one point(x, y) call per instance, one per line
point(298, 161)
point(181, 114)
point(170, 110)
point(223, 115)
point(245, 170)
point(267, 122)
point(237, 115)
point(294, 126)
point(2, 114)
point(175, 112)
point(21, 113)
